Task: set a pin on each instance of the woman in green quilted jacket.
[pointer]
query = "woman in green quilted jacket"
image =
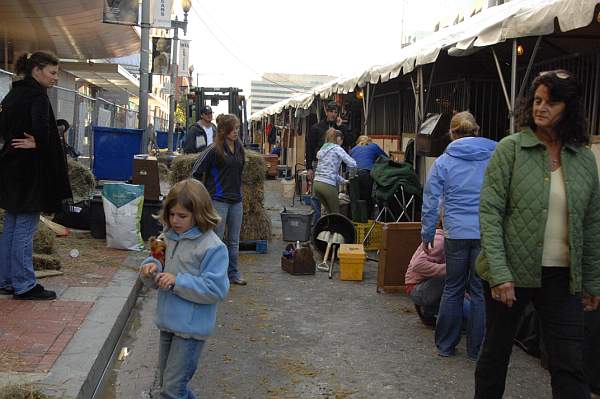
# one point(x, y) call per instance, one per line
point(540, 225)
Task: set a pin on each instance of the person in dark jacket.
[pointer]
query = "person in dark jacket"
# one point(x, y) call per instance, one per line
point(316, 135)
point(220, 168)
point(33, 171)
point(63, 128)
point(201, 134)
point(315, 139)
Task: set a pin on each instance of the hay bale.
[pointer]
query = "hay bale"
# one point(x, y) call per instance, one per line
point(253, 196)
point(82, 180)
point(163, 172)
point(43, 240)
point(181, 167)
point(256, 226)
point(255, 168)
point(46, 262)
point(21, 392)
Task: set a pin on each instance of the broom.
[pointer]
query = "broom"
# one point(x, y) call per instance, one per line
point(59, 229)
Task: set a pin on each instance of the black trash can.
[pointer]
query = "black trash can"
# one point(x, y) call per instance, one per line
point(97, 221)
point(149, 225)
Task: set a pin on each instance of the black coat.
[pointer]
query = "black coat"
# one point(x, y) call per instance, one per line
point(31, 180)
point(316, 138)
point(196, 130)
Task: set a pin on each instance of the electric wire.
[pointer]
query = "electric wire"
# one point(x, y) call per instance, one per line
point(241, 61)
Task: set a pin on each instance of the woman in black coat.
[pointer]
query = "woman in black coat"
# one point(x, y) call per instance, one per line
point(33, 171)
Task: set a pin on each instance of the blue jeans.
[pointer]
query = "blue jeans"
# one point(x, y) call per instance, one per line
point(177, 362)
point(231, 215)
point(460, 276)
point(16, 251)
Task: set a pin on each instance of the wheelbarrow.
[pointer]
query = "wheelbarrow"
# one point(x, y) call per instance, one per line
point(332, 239)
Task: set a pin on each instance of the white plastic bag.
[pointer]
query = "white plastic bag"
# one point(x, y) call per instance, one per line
point(123, 204)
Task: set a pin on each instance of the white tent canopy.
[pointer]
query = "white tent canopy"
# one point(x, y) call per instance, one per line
point(517, 18)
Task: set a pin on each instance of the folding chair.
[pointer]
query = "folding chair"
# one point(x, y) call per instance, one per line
point(386, 211)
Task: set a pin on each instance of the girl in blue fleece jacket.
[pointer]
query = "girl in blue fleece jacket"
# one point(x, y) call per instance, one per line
point(190, 283)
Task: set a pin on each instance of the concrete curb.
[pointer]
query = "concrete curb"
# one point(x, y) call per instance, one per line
point(79, 368)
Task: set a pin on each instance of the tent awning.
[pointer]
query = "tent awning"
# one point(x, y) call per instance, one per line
point(494, 25)
point(72, 29)
point(107, 76)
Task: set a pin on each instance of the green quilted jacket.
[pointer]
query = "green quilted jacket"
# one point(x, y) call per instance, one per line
point(513, 209)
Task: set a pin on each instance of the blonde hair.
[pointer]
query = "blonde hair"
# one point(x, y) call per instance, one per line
point(193, 196)
point(332, 134)
point(363, 140)
point(463, 124)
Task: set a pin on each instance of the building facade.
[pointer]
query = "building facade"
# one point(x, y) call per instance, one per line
point(274, 87)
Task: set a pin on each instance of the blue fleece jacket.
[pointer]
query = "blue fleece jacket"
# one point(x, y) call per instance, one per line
point(456, 178)
point(199, 262)
point(365, 155)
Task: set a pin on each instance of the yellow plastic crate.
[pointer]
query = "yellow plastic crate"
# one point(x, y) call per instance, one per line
point(352, 262)
point(374, 241)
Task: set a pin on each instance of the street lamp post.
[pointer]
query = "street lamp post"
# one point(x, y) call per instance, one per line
point(144, 71)
point(186, 5)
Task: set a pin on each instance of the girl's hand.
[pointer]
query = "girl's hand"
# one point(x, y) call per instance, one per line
point(504, 293)
point(149, 270)
point(427, 247)
point(165, 281)
point(27, 143)
point(590, 303)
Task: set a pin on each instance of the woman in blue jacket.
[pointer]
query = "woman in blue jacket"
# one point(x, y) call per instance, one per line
point(455, 183)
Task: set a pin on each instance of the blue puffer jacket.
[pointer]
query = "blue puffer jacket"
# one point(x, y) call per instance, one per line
point(199, 262)
point(455, 179)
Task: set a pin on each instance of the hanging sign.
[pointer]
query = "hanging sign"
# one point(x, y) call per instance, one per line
point(184, 57)
point(160, 13)
point(161, 55)
point(121, 12)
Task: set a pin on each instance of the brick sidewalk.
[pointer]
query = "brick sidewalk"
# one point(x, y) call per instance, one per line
point(33, 334)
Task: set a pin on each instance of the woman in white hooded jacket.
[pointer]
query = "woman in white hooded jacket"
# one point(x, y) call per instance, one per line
point(327, 178)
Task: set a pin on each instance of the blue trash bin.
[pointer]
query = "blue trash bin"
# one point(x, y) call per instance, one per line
point(114, 149)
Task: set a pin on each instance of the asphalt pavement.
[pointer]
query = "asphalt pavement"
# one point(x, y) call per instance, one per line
point(285, 336)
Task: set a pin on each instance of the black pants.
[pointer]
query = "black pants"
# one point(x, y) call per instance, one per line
point(561, 316)
point(591, 350)
point(365, 184)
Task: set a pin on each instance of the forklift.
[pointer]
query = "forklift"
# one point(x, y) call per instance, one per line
point(199, 96)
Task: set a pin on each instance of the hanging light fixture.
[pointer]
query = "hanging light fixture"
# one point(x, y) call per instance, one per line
point(520, 49)
point(359, 94)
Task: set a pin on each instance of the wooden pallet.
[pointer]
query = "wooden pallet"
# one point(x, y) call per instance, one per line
point(258, 246)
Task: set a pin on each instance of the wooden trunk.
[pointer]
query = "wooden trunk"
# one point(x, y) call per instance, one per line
point(399, 243)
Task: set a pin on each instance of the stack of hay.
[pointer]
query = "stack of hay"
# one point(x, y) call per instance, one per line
point(256, 224)
point(181, 167)
point(82, 180)
point(43, 247)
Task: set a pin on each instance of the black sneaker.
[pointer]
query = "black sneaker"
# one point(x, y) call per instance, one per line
point(237, 281)
point(37, 293)
point(7, 291)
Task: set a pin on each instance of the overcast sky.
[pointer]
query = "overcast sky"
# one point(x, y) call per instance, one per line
point(235, 41)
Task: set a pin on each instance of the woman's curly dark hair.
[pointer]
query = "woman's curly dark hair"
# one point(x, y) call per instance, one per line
point(563, 87)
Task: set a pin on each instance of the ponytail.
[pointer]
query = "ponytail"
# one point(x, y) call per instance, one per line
point(26, 62)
